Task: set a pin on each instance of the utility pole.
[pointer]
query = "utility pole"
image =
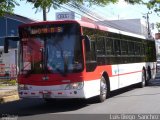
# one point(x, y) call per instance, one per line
point(148, 24)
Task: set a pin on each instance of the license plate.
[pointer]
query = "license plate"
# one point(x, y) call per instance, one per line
point(46, 95)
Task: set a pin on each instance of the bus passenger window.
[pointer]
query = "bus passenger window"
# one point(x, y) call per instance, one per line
point(109, 46)
point(117, 47)
point(91, 55)
point(100, 46)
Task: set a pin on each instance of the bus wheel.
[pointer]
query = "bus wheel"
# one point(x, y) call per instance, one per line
point(143, 81)
point(103, 90)
point(149, 74)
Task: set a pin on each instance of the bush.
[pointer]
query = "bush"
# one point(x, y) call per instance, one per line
point(8, 82)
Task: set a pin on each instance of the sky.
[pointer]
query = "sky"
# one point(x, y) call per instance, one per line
point(121, 10)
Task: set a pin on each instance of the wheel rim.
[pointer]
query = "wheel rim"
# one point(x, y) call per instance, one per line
point(103, 88)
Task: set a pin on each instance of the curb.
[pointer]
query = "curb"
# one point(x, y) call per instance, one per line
point(9, 98)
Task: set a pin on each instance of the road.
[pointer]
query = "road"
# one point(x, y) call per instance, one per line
point(131, 100)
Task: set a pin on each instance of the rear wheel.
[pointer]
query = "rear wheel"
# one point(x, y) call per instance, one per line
point(148, 75)
point(143, 81)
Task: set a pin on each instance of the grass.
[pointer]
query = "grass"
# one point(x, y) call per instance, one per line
point(5, 82)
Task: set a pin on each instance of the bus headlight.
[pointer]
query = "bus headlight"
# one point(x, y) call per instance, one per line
point(77, 85)
point(22, 87)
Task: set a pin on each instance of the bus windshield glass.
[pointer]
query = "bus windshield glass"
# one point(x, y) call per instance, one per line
point(51, 49)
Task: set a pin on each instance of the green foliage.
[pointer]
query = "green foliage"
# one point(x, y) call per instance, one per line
point(154, 5)
point(56, 3)
point(6, 6)
point(134, 1)
point(158, 26)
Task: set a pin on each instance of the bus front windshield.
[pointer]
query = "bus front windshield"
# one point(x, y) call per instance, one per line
point(58, 52)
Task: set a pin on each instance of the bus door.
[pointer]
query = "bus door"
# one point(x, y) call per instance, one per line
point(117, 60)
point(114, 80)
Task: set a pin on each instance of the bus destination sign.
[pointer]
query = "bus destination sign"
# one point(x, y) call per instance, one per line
point(46, 30)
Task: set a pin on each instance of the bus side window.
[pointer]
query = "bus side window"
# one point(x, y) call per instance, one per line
point(137, 48)
point(131, 48)
point(124, 47)
point(100, 44)
point(91, 55)
point(91, 62)
point(109, 46)
point(117, 47)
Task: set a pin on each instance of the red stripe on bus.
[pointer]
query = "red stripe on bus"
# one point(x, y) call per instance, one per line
point(129, 73)
point(58, 79)
point(126, 73)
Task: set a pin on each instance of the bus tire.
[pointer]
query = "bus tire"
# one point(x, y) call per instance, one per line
point(149, 74)
point(143, 80)
point(103, 90)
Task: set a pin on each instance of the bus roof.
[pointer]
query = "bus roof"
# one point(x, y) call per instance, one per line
point(86, 24)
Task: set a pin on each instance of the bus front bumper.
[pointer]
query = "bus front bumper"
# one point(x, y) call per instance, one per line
point(46, 94)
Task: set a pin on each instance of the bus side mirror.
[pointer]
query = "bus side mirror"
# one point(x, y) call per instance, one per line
point(87, 43)
point(6, 42)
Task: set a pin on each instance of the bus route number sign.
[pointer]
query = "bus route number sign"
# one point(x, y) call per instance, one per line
point(65, 16)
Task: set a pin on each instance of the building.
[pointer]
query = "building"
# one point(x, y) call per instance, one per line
point(157, 37)
point(9, 27)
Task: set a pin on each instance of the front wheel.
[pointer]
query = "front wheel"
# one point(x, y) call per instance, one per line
point(104, 90)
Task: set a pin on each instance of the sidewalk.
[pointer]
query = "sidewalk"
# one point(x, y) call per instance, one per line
point(8, 94)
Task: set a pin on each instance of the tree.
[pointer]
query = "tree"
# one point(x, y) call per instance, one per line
point(7, 6)
point(56, 3)
point(158, 26)
point(155, 6)
point(47, 4)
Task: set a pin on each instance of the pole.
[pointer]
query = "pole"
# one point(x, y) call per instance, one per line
point(148, 26)
point(44, 14)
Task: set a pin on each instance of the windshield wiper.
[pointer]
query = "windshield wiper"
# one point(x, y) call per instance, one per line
point(42, 58)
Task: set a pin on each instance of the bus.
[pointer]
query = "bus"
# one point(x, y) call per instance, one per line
point(75, 59)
